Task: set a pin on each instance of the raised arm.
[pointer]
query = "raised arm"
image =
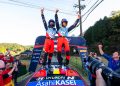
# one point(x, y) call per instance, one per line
point(56, 20)
point(100, 49)
point(106, 56)
point(11, 71)
point(74, 25)
point(43, 19)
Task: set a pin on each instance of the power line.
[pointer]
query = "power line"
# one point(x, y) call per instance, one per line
point(65, 9)
point(87, 15)
point(89, 2)
point(79, 6)
point(18, 3)
point(92, 10)
point(38, 7)
point(14, 4)
point(35, 7)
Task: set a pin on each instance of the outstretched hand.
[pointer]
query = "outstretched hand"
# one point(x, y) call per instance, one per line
point(78, 16)
point(42, 10)
point(57, 10)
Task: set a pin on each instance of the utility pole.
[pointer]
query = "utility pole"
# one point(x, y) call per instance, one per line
point(79, 5)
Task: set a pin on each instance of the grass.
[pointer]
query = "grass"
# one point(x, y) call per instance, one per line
point(76, 64)
point(22, 77)
point(25, 62)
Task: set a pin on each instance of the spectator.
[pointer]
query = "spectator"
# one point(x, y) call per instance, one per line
point(4, 75)
point(7, 52)
point(8, 80)
point(7, 58)
point(2, 67)
point(113, 61)
point(1, 56)
point(16, 71)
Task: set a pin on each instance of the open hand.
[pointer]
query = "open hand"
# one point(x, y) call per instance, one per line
point(57, 10)
point(42, 10)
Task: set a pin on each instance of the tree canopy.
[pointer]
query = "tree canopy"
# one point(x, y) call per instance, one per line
point(14, 48)
point(105, 31)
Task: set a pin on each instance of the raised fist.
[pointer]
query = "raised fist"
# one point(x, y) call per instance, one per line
point(78, 16)
point(100, 46)
point(42, 10)
point(57, 10)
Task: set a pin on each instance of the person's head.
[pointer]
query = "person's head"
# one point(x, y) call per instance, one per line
point(17, 57)
point(115, 55)
point(64, 22)
point(1, 55)
point(51, 23)
point(2, 66)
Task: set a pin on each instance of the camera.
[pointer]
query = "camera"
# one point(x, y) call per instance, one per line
point(111, 78)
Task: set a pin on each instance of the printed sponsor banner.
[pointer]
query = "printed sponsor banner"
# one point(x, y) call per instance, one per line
point(35, 58)
point(84, 56)
point(83, 50)
point(57, 83)
point(56, 77)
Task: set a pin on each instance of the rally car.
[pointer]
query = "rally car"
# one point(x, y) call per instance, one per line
point(56, 75)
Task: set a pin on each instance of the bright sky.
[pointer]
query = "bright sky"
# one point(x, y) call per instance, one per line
point(19, 24)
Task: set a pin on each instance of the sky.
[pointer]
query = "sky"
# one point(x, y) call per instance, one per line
point(22, 24)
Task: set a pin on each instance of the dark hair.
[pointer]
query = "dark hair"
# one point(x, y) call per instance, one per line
point(64, 20)
point(51, 20)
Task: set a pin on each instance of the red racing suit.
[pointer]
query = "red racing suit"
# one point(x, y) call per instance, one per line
point(49, 41)
point(62, 39)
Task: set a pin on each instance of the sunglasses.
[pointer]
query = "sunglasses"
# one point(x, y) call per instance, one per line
point(2, 68)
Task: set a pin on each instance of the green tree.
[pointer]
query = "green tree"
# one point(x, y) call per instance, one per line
point(106, 31)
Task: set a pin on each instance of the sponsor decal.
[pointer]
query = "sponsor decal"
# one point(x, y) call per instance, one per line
point(34, 61)
point(37, 50)
point(38, 46)
point(36, 53)
point(56, 78)
point(83, 50)
point(57, 83)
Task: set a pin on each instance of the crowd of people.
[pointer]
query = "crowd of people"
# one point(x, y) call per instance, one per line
point(8, 69)
point(113, 63)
